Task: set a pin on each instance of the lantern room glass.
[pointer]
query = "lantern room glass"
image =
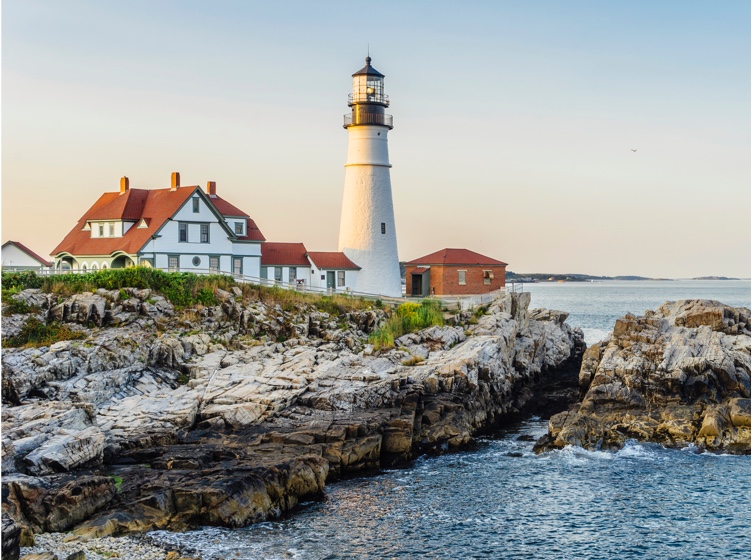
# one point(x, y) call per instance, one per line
point(368, 88)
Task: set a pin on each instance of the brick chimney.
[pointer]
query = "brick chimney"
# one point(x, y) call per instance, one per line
point(124, 185)
point(211, 188)
point(175, 183)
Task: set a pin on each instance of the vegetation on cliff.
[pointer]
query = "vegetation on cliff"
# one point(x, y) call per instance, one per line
point(407, 318)
point(182, 289)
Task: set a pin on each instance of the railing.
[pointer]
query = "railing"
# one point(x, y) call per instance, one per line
point(369, 118)
point(381, 99)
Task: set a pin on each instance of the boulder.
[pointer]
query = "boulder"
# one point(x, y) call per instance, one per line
point(679, 375)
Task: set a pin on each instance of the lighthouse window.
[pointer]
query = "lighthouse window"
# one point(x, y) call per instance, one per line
point(383, 227)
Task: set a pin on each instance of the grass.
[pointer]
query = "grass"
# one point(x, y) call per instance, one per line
point(182, 289)
point(407, 318)
point(35, 333)
point(412, 361)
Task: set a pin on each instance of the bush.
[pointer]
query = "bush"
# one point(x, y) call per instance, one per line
point(35, 333)
point(408, 317)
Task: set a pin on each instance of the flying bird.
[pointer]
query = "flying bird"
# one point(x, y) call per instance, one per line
point(633, 149)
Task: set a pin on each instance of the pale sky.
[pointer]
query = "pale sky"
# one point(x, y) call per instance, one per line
point(514, 121)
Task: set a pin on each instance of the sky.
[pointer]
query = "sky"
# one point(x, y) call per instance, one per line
point(514, 122)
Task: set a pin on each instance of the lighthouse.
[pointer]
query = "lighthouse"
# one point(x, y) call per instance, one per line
point(366, 233)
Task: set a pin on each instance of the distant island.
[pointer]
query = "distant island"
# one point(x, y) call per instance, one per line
point(546, 277)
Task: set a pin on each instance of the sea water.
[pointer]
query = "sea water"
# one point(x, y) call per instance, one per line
point(503, 501)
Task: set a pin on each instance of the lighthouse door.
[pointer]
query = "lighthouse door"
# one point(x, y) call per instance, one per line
point(330, 280)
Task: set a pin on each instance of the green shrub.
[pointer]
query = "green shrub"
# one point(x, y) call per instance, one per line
point(408, 317)
point(11, 306)
point(35, 333)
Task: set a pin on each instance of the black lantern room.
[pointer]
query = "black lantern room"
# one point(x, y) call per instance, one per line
point(368, 99)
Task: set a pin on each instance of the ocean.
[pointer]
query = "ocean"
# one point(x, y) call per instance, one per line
point(503, 501)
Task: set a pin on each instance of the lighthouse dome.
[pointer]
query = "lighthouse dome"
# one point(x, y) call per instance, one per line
point(368, 70)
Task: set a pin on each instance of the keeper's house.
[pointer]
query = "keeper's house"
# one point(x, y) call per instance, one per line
point(454, 272)
point(180, 228)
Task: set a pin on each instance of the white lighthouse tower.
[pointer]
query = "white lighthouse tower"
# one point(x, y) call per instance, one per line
point(366, 233)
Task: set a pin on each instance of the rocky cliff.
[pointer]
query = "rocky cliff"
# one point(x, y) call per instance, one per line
point(677, 376)
point(232, 414)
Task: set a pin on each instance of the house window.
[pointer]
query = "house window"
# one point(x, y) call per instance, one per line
point(195, 205)
point(237, 265)
point(214, 264)
point(94, 266)
point(196, 261)
point(264, 272)
point(101, 230)
point(487, 277)
point(383, 227)
point(340, 278)
point(292, 275)
point(204, 233)
point(183, 233)
point(112, 230)
point(238, 228)
point(278, 274)
point(462, 274)
point(83, 267)
point(173, 263)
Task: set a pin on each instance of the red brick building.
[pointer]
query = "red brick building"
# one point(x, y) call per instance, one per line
point(454, 272)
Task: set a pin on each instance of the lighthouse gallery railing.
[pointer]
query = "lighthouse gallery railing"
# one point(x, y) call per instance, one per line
point(369, 118)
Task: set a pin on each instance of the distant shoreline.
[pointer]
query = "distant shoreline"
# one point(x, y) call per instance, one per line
point(545, 277)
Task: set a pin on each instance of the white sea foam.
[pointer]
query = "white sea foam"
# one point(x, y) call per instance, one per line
point(593, 336)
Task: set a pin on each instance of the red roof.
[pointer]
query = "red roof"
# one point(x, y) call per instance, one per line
point(457, 256)
point(225, 208)
point(29, 252)
point(332, 260)
point(156, 206)
point(252, 232)
point(284, 254)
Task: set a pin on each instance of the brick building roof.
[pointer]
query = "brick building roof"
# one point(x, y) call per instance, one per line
point(331, 259)
point(462, 257)
point(284, 254)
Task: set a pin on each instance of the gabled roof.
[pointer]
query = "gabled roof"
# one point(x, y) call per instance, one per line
point(330, 259)
point(225, 208)
point(119, 206)
point(155, 206)
point(456, 257)
point(28, 251)
point(284, 254)
point(252, 232)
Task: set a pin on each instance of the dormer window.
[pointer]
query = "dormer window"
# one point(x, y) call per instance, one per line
point(195, 205)
point(101, 230)
point(238, 228)
point(112, 230)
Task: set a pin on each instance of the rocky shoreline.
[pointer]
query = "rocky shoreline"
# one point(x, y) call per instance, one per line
point(232, 414)
point(678, 376)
